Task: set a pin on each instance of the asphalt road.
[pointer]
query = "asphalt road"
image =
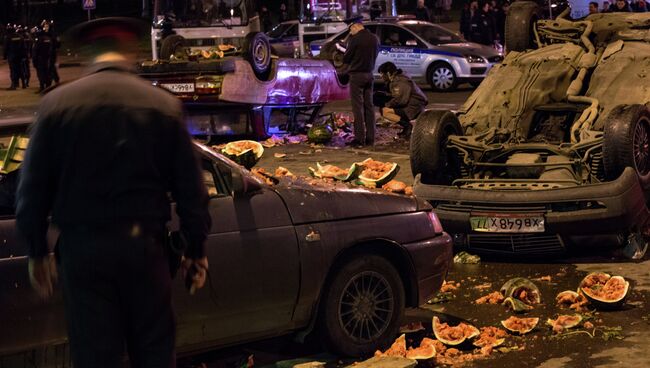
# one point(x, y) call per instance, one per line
point(537, 349)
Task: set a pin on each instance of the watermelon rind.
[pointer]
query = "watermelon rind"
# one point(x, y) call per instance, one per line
point(458, 342)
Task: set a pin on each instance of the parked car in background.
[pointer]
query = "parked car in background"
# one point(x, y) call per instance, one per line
point(284, 39)
point(283, 257)
point(425, 51)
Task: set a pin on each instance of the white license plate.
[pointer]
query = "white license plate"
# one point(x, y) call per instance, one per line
point(507, 224)
point(178, 87)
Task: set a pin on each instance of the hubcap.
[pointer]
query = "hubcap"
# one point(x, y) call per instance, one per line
point(366, 307)
point(260, 53)
point(642, 147)
point(443, 78)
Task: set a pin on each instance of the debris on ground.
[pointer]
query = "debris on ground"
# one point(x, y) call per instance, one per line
point(466, 258)
point(564, 322)
point(546, 278)
point(490, 337)
point(279, 155)
point(494, 297)
point(441, 297)
point(411, 327)
point(449, 286)
point(483, 286)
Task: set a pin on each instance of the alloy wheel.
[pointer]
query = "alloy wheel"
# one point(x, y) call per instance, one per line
point(641, 148)
point(366, 306)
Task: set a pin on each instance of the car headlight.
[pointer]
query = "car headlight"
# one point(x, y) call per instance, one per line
point(474, 59)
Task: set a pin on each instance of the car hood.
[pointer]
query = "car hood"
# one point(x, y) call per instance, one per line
point(308, 203)
point(469, 48)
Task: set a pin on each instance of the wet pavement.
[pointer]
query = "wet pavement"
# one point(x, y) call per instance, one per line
point(537, 349)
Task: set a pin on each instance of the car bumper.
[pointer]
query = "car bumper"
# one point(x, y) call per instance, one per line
point(472, 72)
point(570, 214)
point(431, 260)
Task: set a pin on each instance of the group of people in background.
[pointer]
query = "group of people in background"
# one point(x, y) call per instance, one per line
point(484, 22)
point(639, 6)
point(38, 45)
point(265, 17)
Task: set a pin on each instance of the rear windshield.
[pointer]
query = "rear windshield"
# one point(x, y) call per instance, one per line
point(433, 34)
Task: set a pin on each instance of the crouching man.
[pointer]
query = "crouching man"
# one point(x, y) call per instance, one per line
point(406, 100)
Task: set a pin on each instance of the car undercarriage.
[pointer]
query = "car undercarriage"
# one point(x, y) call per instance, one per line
point(569, 114)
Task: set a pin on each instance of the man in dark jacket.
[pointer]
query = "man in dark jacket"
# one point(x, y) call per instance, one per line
point(14, 53)
point(407, 100)
point(421, 12)
point(104, 153)
point(360, 55)
point(42, 58)
point(484, 26)
point(26, 72)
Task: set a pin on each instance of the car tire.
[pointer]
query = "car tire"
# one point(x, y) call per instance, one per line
point(520, 20)
point(442, 77)
point(170, 46)
point(429, 157)
point(257, 51)
point(346, 296)
point(627, 142)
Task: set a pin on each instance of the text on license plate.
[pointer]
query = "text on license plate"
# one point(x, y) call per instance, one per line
point(508, 224)
point(178, 87)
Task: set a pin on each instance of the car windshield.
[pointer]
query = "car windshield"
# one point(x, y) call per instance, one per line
point(434, 34)
point(206, 13)
point(279, 30)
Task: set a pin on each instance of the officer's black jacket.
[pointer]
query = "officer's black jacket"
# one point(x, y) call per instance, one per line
point(105, 149)
point(361, 53)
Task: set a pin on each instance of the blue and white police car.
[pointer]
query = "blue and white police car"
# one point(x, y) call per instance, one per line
point(428, 53)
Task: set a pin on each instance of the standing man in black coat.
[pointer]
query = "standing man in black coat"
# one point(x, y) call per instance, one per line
point(421, 12)
point(484, 26)
point(56, 44)
point(28, 41)
point(42, 58)
point(360, 55)
point(103, 155)
point(14, 53)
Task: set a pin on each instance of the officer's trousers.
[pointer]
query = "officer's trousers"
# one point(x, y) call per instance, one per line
point(117, 291)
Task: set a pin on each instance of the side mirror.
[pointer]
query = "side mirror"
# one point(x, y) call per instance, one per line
point(242, 184)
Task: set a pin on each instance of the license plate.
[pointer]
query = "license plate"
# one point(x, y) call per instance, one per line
point(178, 87)
point(507, 224)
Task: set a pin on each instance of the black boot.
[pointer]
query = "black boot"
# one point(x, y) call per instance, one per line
point(406, 129)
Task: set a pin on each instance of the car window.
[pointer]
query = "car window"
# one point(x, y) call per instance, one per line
point(342, 36)
point(292, 31)
point(396, 36)
point(279, 30)
point(214, 179)
point(433, 34)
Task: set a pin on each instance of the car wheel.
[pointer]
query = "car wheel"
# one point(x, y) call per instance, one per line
point(442, 77)
point(363, 306)
point(429, 158)
point(627, 142)
point(520, 20)
point(171, 45)
point(257, 51)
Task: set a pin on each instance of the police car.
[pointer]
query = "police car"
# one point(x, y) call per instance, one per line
point(426, 52)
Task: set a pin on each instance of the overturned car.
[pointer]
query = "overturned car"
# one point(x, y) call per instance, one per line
point(552, 150)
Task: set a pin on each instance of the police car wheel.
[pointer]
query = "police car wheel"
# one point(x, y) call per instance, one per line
point(442, 77)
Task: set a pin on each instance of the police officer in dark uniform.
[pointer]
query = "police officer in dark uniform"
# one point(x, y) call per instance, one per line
point(103, 155)
point(25, 65)
point(42, 58)
point(14, 52)
point(56, 44)
point(360, 56)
